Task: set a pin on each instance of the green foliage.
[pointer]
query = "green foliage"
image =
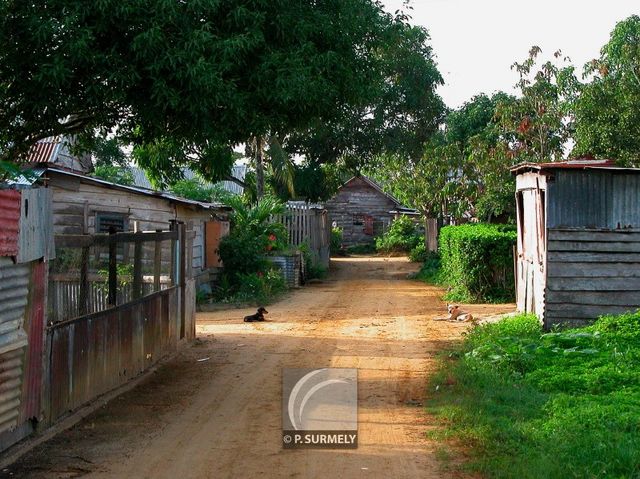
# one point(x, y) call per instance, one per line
point(194, 189)
point(607, 111)
point(259, 288)
point(431, 270)
point(184, 82)
point(477, 262)
point(362, 248)
point(533, 404)
point(115, 174)
point(401, 237)
point(336, 241)
point(419, 253)
point(243, 251)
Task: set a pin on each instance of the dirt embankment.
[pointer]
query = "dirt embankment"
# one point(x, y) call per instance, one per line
point(220, 417)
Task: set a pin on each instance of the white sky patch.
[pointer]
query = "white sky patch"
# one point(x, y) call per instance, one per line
point(476, 42)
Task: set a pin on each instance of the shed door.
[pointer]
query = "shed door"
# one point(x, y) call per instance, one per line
point(214, 232)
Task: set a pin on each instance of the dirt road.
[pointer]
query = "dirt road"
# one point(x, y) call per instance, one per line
point(220, 417)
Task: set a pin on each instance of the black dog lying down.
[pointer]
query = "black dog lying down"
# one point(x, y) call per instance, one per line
point(259, 316)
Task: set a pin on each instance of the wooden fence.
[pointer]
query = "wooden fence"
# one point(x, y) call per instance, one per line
point(104, 275)
point(117, 333)
point(308, 224)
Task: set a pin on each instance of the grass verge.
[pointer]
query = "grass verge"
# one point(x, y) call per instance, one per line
point(530, 404)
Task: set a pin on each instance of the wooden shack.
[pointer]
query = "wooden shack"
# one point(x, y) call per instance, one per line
point(363, 210)
point(578, 251)
point(87, 205)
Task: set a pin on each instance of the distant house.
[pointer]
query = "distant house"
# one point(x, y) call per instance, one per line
point(363, 210)
point(578, 253)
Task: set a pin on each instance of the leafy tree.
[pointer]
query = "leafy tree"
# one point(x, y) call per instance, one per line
point(402, 112)
point(194, 189)
point(538, 124)
point(115, 174)
point(181, 81)
point(608, 109)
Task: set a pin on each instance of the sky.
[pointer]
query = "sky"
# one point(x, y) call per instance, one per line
point(475, 42)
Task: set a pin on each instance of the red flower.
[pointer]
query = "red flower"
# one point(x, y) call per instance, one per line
point(260, 274)
point(272, 237)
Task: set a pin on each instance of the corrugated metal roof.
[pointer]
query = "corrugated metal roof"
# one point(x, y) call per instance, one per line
point(44, 151)
point(9, 222)
point(141, 191)
point(239, 171)
point(578, 164)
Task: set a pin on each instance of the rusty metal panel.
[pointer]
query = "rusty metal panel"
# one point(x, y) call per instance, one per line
point(94, 354)
point(9, 222)
point(10, 388)
point(594, 199)
point(36, 225)
point(32, 387)
point(14, 294)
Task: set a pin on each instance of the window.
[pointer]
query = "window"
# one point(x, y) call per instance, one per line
point(358, 220)
point(106, 221)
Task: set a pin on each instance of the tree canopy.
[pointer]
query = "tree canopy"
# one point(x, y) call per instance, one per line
point(182, 81)
point(607, 111)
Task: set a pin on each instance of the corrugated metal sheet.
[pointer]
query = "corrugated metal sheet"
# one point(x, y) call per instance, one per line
point(44, 151)
point(594, 199)
point(36, 225)
point(32, 388)
point(14, 293)
point(99, 352)
point(10, 388)
point(9, 222)
point(239, 171)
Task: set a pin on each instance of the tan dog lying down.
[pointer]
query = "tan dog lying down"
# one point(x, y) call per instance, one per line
point(457, 314)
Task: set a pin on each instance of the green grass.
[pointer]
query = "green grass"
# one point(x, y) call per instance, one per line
point(527, 404)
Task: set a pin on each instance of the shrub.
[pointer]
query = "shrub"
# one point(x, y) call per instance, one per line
point(362, 248)
point(260, 287)
point(419, 253)
point(477, 262)
point(194, 189)
point(336, 241)
point(402, 237)
point(243, 251)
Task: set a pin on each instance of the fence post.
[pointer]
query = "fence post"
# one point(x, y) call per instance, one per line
point(137, 267)
point(182, 263)
point(113, 269)
point(157, 264)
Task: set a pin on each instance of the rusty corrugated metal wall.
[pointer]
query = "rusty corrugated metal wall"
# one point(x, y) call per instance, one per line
point(594, 199)
point(9, 222)
point(14, 290)
point(33, 375)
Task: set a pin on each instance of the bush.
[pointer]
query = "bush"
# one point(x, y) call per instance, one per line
point(419, 253)
point(477, 262)
point(362, 248)
point(535, 404)
point(252, 237)
point(336, 241)
point(114, 174)
point(430, 272)
point(402, 237)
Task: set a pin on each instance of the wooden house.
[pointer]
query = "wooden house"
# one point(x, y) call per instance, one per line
point(363, 210)
point(578, 251)
point(85, 205)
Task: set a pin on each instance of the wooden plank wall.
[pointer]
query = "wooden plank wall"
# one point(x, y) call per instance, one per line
point(359, 198)
point(591, 273)
point(76, 202)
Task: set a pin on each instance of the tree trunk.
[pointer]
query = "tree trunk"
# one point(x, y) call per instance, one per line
point(259, 167)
